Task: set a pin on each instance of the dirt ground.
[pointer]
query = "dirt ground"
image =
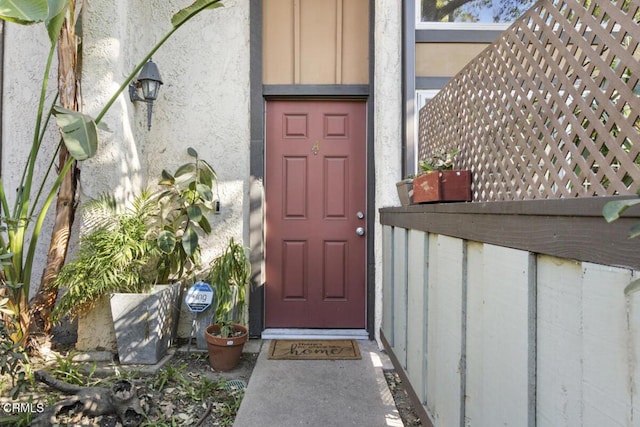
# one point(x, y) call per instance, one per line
point(403, 402)
point(185, 392)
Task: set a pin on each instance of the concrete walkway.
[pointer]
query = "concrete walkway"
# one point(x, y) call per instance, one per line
point(322, 393)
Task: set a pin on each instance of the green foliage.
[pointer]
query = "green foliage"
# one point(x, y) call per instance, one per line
point(178, 380)
point(22, 223)
point(175, 376)
point(25, 11)
point(188, 12)
point(231, 407)
point(21, 226)
point(170, 375)
point(153, 241)
point(229, 276)
point(204, 388)
point(186, 197)
point(72, 373)
point(79, 132)
point(505, 11)
point(611, 212)
point(115, 255)
point(13, 359)
point(439, 161)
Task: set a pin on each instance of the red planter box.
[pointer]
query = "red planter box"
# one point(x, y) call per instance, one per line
point(442, 186)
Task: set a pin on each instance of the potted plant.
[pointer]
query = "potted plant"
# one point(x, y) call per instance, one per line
point(137, 257)
point(438, 182)
point(229, 277)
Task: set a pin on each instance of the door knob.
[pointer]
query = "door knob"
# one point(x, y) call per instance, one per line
point(360, 231)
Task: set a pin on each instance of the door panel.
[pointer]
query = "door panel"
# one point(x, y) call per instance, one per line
point(315, 186)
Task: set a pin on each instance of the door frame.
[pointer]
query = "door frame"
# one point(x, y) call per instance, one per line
point(260, 94)
point(340, 101)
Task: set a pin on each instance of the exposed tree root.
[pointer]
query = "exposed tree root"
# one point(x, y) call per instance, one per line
point(121, 399)
point(204, 416)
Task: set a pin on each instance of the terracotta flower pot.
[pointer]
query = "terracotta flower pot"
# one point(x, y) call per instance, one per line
point(225, 353)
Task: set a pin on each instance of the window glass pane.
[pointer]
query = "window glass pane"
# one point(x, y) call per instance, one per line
point(482, 11)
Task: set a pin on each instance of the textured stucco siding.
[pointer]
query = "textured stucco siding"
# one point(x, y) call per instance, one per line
point(388, 122)
point(204, 103)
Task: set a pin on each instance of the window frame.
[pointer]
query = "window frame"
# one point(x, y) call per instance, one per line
point(432, 25)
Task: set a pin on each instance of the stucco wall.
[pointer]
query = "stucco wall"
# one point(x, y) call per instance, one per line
point(204, 103)
point(388, 122)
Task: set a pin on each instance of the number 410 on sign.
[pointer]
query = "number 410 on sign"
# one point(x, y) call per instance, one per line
point(199, 297)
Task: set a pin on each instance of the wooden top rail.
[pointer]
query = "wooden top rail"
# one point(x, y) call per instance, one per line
point(573, 229)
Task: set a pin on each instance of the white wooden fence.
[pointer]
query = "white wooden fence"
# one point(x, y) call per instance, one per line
point(493, 336)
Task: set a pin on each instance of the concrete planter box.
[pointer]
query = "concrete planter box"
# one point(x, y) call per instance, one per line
point(145, 324)
point(405, 191)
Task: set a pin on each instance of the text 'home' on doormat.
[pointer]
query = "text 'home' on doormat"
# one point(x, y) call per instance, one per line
point(314, 350)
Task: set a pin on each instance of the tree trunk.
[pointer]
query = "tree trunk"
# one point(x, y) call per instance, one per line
point(68, 89)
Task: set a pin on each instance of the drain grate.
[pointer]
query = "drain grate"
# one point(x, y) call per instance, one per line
point(236, 385)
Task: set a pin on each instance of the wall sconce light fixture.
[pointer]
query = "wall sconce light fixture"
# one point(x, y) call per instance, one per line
point(149, 80)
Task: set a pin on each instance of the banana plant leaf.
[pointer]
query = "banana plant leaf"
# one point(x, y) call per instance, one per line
point(55, 18)
point(24, 11)
point(185, 14)
point(613, 210)
point(632, 287)
point(27, 12)
point(79, 132)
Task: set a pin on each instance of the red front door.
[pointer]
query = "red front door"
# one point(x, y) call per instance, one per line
point(315, 201)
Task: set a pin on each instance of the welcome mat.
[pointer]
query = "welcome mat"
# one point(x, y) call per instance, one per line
point(314, 350)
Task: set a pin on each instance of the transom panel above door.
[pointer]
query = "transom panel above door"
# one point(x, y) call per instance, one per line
point(315, 245)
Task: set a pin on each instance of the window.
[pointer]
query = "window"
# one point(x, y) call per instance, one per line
point(421, 97)
point(461, 13)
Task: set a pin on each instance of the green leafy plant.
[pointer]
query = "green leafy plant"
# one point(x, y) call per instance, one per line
point(168, 375)
point(439, 161)
point(186, 197)
point(13, 359)
point(156, 240)
point(229, 276)
point(69, 371)
point(611, 212)
point(115, 255)
point(22, 224)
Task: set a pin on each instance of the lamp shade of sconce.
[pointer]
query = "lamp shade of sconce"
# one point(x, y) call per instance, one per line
point(149, 81)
